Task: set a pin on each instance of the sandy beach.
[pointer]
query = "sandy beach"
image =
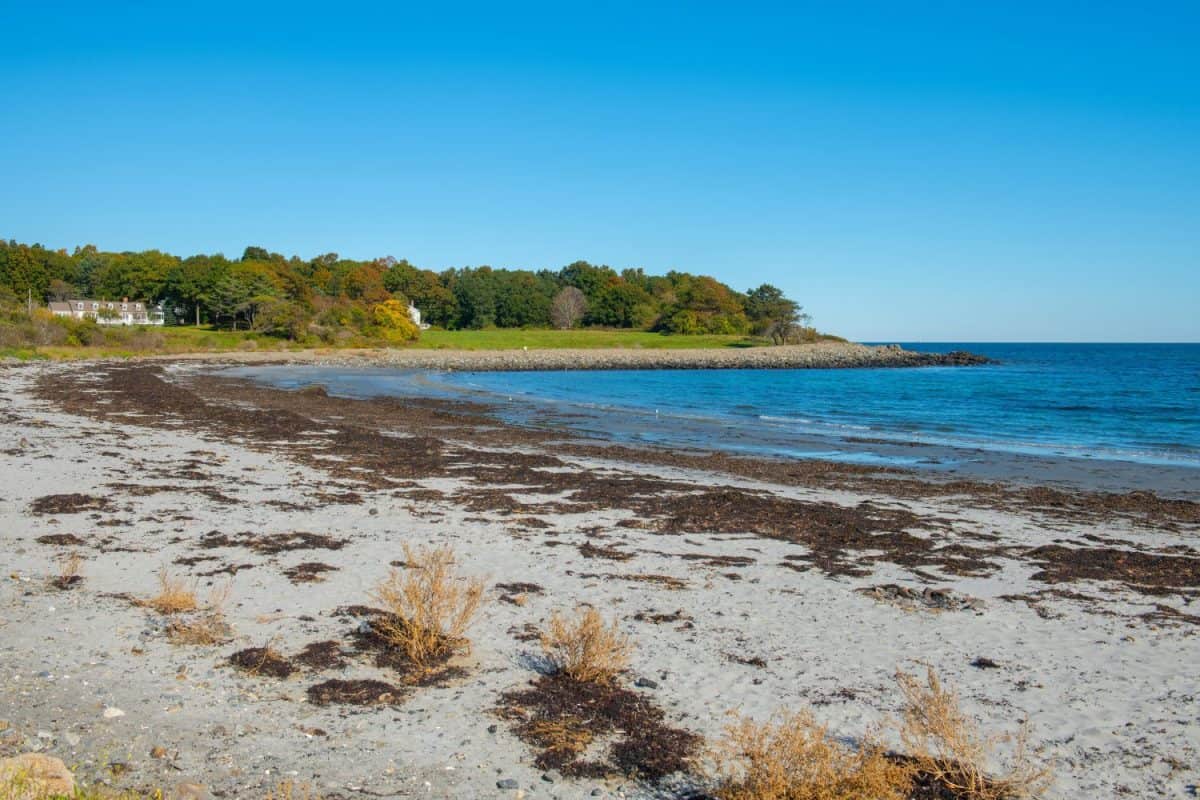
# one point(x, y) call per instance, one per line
point(746, 585)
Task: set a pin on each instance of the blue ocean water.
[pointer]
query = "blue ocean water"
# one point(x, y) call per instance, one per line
point(1119, 402)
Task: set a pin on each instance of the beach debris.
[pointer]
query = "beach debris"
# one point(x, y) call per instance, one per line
point(589, 550)
point(112, 712)
point(580, 718)
point(356, 693)
point(927, 598)
point(588, 729)
point(747, 661)
point(262, 661)
point(517, 594)
point(270, 544)
point(322, 655)
point(308, 572)
point(653, 616)
point(60, 539)
point(69, 575)
point(69, 504)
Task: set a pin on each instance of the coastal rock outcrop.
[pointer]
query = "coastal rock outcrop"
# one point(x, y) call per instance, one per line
point(819, 355)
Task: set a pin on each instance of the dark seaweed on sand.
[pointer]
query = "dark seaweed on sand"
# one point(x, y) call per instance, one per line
point(355, 693)
point(519, 588)
point(69, 504)
point(561, 716)
point(322, 655)
point(60, 539)
point(368, 639)
point(308, 572)
point(262, 661)
point(272, 543)
point(835, 539)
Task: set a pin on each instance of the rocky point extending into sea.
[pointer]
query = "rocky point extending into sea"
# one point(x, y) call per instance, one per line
point(820, 355)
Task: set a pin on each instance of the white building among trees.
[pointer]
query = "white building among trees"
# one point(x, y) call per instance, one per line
point(109, 312)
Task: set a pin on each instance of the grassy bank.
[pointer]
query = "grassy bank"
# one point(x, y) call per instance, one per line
point(541, 339)
point(178, 340)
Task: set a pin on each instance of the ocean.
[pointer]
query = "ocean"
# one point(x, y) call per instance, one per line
point(1086, 404)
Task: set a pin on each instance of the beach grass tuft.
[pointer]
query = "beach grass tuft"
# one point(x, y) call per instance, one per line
point(429, 605)
point(175, 594)
point(208, 626)
point(793, 757)
point(70, 569)
point(586, 649)
point(947, 746)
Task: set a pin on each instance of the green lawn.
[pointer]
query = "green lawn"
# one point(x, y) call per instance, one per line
point(207, 340)
point(512, 338)
point(183, 339)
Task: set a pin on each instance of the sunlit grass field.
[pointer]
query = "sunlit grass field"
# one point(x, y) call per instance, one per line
point(175, 340)
point(541, 339)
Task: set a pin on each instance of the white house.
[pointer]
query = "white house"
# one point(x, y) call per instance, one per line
point(414, 314)
point(109, 312)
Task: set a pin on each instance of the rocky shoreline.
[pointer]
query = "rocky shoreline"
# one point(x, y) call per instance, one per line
point(821, 355)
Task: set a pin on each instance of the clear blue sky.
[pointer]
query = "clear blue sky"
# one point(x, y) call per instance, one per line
point(909, 171)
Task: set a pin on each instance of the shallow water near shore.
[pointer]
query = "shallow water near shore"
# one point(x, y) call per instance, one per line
point(1112, 417)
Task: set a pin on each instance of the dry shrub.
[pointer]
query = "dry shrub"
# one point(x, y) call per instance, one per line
point(947, 746)
point(208, 627)
point(175, 595)
point(70, 567)
point(430, 607)
point(585, 648)
point(793, 757)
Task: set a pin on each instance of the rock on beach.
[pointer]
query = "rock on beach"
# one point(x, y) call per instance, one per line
point(33, 776)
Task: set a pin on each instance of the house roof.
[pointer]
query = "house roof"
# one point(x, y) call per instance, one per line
point(88, 303)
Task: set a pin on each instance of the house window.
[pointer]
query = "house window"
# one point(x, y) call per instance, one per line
point(79, 306)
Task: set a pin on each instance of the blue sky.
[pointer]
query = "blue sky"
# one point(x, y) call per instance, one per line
point(908, 171)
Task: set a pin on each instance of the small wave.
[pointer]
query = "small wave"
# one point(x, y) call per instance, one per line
point(806, 421)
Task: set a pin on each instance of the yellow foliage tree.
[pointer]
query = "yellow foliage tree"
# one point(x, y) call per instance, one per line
point(395, 325)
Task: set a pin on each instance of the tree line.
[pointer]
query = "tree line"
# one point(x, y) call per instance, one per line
point(318, 297)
